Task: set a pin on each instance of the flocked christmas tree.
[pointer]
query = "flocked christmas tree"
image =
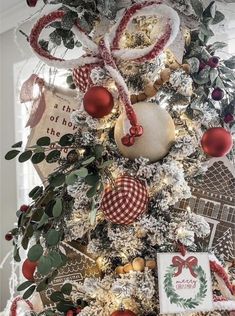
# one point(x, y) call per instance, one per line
point(154, 102)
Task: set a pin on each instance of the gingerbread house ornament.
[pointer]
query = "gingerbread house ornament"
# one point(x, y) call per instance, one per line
point(214, 198)
point(79, 266)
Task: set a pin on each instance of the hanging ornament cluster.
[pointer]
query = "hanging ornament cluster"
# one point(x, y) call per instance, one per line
point(159, 132)
point(126, 201)
point(109, 49)
point(98, 102)
point(217, 142)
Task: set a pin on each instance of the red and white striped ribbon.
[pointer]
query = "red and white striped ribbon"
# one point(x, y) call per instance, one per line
point(108, 49)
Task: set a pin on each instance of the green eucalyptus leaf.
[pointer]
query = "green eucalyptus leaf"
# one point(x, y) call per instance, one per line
point(53, 156)
point(17, 145)
point(24, 286)
point(57, 208)
point(11, 154)
point(57, 180)
point(38, 157)
point(44, 141)
point(99, 149)
point(49, 208)
point(230, 63)
point(219, 83)
point(57, 297)
point(67, 289)
point(197, 7)
point(26, 155)
point(16, 254)
point(37, 215)
point(44, 265)
point(71, 178)
point(42, 286)
point(66, 140)
point(68, 20)
point(55, 38)
point(64, 306)
point(93, 191)
point(43, 220)
point(68, 43)
point(210, 10)
point(219, 17)
point(194, 64)
point(92, 179)
point(35, 253)
point(33, 191)
point(206, 30)
point(82, 172)
point(55, 259)
point(88, 161)
point(25, 242)
point(215, 46)
point(53, 237)
point(213, 75)
point(29, 292)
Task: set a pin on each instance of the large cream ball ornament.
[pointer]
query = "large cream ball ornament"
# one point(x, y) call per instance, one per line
point(158, 136)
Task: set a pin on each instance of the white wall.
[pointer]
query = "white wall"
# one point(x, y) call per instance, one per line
point(9, 55)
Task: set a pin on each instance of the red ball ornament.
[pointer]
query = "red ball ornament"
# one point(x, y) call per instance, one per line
point(126, 201)
point(217, 142)
point(32, 3)
point(98, 102)
point(125, 312)
point(28, 269)
point(24, 208)
point(69, 313)
point(8, 236)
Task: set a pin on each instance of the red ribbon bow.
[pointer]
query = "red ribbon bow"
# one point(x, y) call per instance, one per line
point(189, 263)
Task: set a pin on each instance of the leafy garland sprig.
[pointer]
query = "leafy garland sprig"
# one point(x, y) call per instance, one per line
point(175, 298)
point(44, 219)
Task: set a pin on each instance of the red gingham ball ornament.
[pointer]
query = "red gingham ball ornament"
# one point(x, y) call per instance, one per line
point(126, 201)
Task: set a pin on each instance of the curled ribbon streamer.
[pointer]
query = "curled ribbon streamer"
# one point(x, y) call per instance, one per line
point(39, 103)
point(108, 49)
point(189, 263)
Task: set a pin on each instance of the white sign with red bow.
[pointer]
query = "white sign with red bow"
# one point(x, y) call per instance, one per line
point(184, 282)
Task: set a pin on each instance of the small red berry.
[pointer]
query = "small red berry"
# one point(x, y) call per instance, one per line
point(78, 310)
point(229, 117)
point(24, 208)
point(217, 94)
point(213, 62)
point(9, 236)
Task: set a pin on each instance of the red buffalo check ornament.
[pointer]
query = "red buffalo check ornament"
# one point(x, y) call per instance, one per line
point(126, 201)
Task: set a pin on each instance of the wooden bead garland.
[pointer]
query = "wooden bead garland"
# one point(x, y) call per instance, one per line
point(151, 89)
point(138, 264)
